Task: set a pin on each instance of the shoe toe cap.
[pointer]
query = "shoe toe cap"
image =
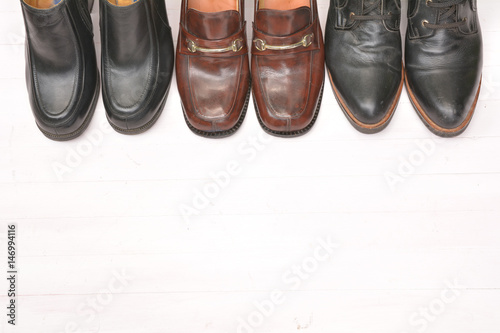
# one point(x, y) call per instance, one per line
point(445, 100)
point(370, 96)
point(214, 93)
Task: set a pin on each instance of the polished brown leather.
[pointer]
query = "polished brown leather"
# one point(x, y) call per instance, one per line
point(287, 83)
point(213, 86)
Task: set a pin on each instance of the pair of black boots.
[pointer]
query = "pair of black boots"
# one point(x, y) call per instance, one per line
point(62, 74)
point(443, 61)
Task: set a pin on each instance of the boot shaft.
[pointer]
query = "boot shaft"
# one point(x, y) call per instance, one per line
point(348, 14)
point(426, 17)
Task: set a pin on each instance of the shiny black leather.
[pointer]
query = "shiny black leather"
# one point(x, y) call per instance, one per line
point(444, 60)
point(137, 63)
point(364, 60)
point(61, 68)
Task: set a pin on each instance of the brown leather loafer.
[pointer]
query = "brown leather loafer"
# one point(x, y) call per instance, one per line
point(212, 67)
point(287, 65)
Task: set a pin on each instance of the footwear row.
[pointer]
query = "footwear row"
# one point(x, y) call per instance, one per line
point(286, 72)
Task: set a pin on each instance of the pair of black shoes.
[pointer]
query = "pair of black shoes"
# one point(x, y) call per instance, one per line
point(61, 68)
point(443, 61)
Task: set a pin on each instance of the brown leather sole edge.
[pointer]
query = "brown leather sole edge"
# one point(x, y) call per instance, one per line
point(432, 126)
point(284, 134)
point(360, 126)
point(86, 122)
point(148, 125)
point(221, 134)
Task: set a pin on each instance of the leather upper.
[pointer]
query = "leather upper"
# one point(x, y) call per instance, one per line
point(287, 83)
point(137, 62)
point(212, 69)
point(61, 68)
point(444, 64)
point(364, 59)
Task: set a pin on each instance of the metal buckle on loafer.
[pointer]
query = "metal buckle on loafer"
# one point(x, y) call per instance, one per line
point(261, 45)
point(235, 46)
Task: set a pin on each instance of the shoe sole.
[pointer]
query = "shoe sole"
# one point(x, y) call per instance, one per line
point(221, 134)
point(148, 125)
point(85, 124)
point(286, 134)
point(432, 126)
point(360, 126)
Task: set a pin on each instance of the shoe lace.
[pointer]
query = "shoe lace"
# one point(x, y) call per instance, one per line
point(447, 9)
point(365, 15)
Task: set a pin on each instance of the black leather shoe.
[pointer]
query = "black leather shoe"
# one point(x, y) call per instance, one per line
point(137, 62)
point(444, 61)
point(61, 69)
point(364, 60)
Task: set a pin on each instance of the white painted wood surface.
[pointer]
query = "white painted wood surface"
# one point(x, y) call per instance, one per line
point(107, 204)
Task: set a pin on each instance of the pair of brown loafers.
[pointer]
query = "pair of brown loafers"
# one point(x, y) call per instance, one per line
point(213, 71)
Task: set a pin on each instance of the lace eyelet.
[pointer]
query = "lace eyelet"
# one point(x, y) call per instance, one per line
point(351, 15)
point(427, 2)
point(424, 22)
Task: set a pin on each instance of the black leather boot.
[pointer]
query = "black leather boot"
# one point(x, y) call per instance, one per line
point(61, 69)
point(444, 61)
point(137, 62)
point(364, 60)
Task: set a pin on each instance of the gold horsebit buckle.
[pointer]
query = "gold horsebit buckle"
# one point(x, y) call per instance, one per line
point(261, 45)
point(235, 46)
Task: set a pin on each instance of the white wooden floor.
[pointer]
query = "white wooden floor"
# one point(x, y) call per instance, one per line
point(335, 231)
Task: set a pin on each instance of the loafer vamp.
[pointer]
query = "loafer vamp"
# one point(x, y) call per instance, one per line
point(212, 70)
point(287, 69)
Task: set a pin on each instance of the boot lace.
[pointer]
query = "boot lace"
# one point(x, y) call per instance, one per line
point(365, 15)
point(447, 9)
